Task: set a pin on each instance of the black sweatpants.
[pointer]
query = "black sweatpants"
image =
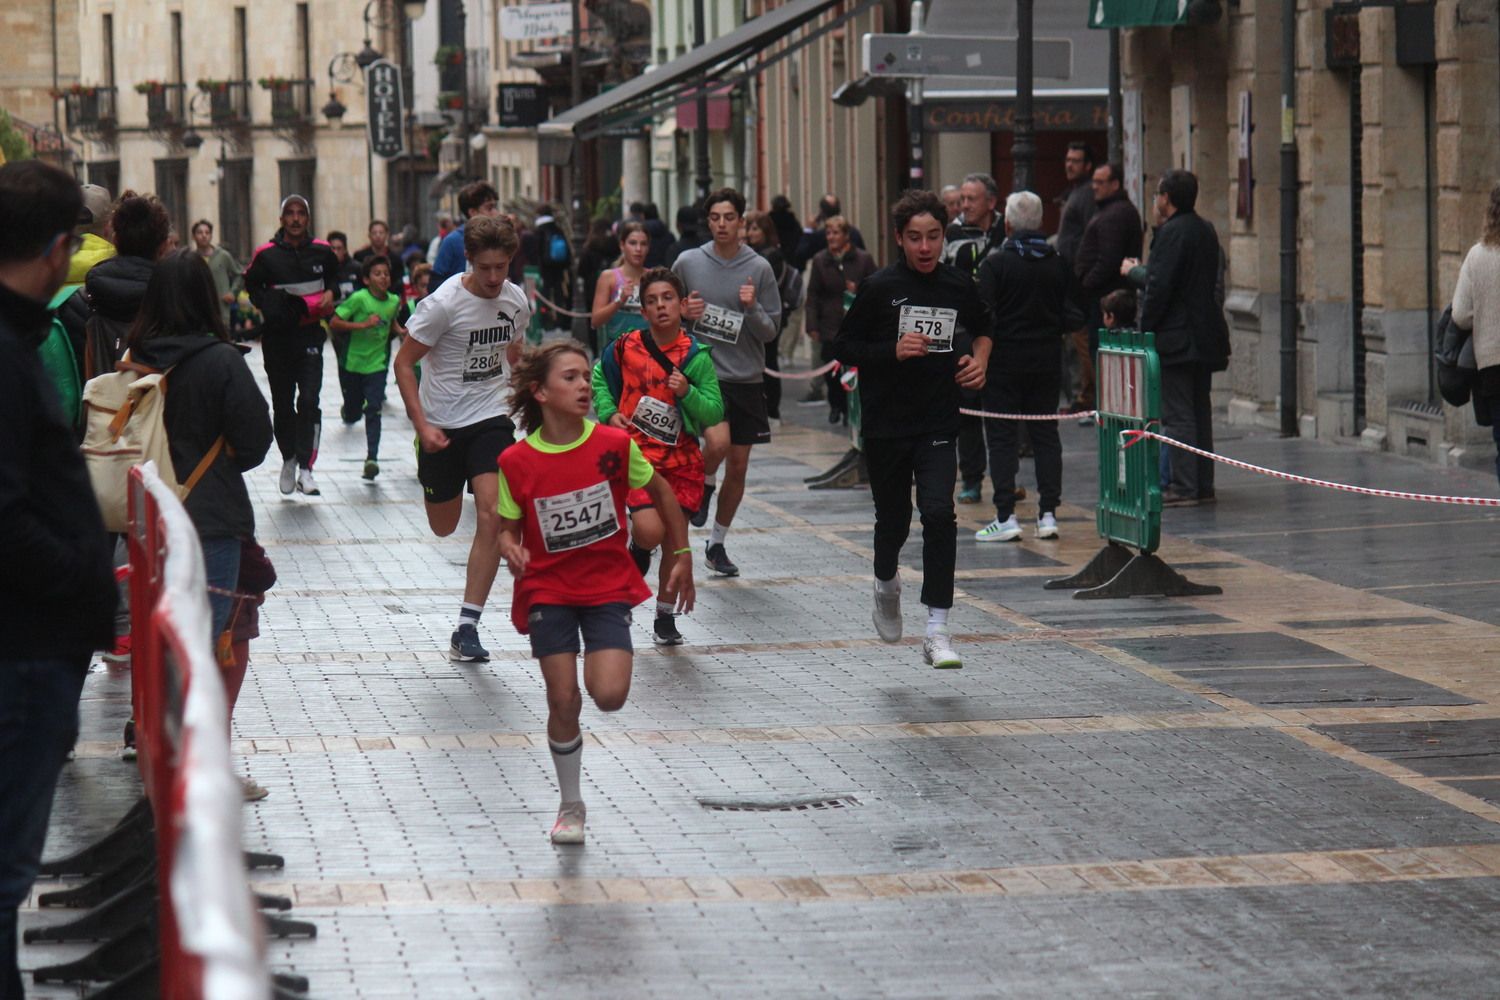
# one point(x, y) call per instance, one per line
point(1009, 391)
point(894, 464)
point(294, 369)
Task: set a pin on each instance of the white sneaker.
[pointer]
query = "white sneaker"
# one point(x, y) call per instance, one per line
point(1046, 526)
point(569, 826)
point(288, 480)
point(937, 649)
point(888, 612)
point(997, 530)
point(306, 484)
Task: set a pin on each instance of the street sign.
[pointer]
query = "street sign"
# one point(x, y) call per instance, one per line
point(962, 55)
point(383, 108)
point(532, 21)
point(522, 105)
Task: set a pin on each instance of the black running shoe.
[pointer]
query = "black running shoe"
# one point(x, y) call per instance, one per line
point(665, 632)
point(465, 647)
point(718, 561)
point(700, 516)
point(642, 558)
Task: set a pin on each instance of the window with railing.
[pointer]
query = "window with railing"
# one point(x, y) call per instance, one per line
point(228, 101)
point(165, 103)
point(90, 108)
point(291, 100)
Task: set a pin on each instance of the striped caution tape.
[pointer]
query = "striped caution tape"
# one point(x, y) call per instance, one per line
point(1028, 416)
point(1128, 438)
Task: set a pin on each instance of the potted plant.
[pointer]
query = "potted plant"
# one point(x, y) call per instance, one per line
point(449, 55)
point(151, 87)
point(274, 83)
point(214, 86)
point(450, 100)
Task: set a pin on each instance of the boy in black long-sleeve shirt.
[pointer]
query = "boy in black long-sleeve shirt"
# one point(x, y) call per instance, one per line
point(899, 333)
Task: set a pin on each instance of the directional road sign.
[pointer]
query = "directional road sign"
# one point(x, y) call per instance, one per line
point(962, 55)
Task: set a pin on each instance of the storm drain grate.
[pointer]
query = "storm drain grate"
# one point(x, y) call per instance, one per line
point(787, 805)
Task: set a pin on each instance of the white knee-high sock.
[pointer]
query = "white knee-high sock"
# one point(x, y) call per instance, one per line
point(568, 759)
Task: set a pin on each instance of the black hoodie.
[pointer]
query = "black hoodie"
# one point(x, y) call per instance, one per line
point(1029, 289)
point(115, 289)
point(212, 392)
point(57, 594)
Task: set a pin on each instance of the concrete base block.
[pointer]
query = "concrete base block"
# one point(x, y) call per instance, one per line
point(1242, 412)
point(1372, 438)
point(1307, 425)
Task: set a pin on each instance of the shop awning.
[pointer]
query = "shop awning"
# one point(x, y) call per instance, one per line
point(724, 62)
point(1137, 13)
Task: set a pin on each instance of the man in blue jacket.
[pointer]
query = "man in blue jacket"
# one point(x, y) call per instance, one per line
point(57, 595)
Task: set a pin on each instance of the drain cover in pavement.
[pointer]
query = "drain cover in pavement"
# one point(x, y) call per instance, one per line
point(786, 805)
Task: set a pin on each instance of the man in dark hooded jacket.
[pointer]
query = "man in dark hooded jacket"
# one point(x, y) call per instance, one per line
point(57, 595)
point(1028, 287)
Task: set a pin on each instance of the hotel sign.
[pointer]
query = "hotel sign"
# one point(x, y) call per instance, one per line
point(383, 110)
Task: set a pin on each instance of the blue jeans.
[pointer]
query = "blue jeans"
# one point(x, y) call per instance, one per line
point(38, 723)
point(221, 571)
point(364, 394)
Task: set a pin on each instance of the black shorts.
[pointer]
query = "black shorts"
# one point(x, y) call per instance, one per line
point(472, 451)
point(554, 628)
point(745, 409)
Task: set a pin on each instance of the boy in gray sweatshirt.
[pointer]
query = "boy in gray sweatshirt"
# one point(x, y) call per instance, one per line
point(735, 307)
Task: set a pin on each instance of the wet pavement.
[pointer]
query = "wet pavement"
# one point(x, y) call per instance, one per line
point(1291, 788)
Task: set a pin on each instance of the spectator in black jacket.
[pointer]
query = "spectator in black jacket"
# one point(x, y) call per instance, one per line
point(788, 229)
point(115, 287)
point(555, 257)
point(1183, 307)
point(690, 233)
point(58, 587)
point(1028, 288)
point(661, 236)
point(214, 409)
point(815, 239)
point(292, 280)
point(833, 277)
point(1113, 234)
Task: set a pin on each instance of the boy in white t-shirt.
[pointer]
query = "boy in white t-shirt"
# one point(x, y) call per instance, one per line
point(466, 335)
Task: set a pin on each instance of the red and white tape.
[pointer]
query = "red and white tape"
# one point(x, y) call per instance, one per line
point(1028, 416)
point(1128, 438)
point(815, 373)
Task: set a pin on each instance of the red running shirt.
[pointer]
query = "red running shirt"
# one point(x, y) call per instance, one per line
point(570, 500)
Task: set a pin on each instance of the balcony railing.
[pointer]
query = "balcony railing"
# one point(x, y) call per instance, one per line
point(292, 102)
point(91, 109)
point(165, 105)
point(229, 103)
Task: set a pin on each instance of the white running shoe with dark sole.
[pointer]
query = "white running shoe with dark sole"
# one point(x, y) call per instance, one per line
point(887, 616)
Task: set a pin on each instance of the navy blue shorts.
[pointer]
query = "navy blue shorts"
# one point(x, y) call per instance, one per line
point(554, 628)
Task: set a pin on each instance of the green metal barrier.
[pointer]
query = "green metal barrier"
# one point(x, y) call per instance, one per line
point(533, 282)
point(1128, 386)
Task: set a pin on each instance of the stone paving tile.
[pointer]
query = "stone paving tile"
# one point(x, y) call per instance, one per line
point(1277, 941)
point(944, 802)
point(880, 684)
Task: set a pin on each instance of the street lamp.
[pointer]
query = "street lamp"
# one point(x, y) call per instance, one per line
point(191, 139)
point(346, 67)
point(378, 15)
point(375, 16)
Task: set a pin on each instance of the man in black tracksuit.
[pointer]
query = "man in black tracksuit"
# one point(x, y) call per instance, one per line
point(1028, 287)
point(899, 332)
point(292, 280)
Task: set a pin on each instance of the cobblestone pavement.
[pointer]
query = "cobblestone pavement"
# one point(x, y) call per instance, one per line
point(1288, 789)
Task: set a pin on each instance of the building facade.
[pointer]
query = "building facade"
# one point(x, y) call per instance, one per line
point(1396, 114)
point(221, 109)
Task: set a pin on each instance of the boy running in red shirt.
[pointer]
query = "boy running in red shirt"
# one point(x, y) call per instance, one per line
point(660, 386)
point(562, 508)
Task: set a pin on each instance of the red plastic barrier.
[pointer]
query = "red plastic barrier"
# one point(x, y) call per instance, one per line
point(211, 940)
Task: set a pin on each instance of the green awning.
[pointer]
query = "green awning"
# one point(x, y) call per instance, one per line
point(1137, 13)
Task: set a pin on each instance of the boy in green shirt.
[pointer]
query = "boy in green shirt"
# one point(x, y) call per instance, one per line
point(369, 317)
